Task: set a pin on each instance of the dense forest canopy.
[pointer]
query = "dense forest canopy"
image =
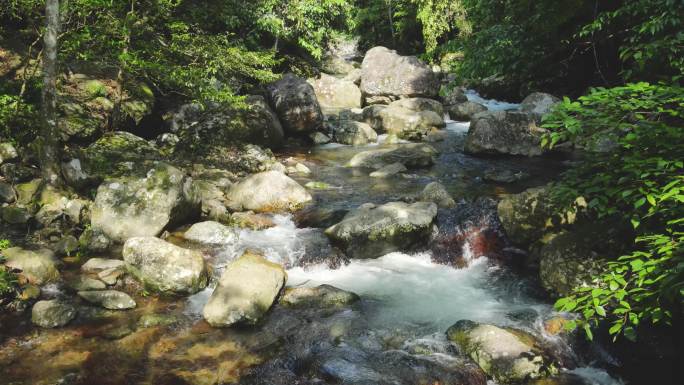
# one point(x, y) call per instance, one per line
point(619, 64)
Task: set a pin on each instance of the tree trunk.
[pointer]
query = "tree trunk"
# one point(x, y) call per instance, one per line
point(48, 143)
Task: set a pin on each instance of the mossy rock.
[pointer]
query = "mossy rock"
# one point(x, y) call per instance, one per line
point(94, 88)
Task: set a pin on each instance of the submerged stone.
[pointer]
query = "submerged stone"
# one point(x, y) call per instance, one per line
point(108, 299)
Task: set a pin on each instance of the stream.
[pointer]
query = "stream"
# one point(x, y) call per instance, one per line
point(394, 335)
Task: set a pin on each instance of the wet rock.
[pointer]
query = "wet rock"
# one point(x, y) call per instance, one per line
point(389, 170)
point(318, 217)
point(504, 176)
point(245, 292)
point(538, 104)
point(267, 192)
point(323, 296)
point(370, 231)
point(436, 192)
point(319, 138)
point(108, 299)
point(83, 283)
point(397, 119)
point(454, 95)
point(15, 215)
point(7, 194)
point(152, 320)
point(52, 314)
point(334, 93)
point(567, 262)
point(415, 155)
point(38, 266)
point(530, 214)
point(219, 125)
point(355, 133)
point(66, 246)
point(111, 276)
point(250, 220)
point(211, 233)
point(8, 152)
point(96, 265)
point(504, 132)
point(387, 76)
point(94, 241)
point(164, 267)
point(508, 356)
point(26, 191)
point(465, 111)
point(294, 100)
point(130, 207)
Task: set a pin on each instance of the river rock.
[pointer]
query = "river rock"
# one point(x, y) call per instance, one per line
point(319, 138)
point(267, 192)
point(504, 132)
point(211, 233)
point(165, 267)
point(527, 216)
point(108, 299)
point(411, 124)
point(538, 104)
point(323, 296)
point(83, 283)
point(454, 95)
point(8, 152)
point(26, 191)
point(38, 266)
point(294, 100)
point(96, 265)
point(371, 116)
point(220, 124)
point(389, 170)
point(508, 356)
point(387, 76)
point(436, 192)
point(7, 194)
point(567, 262)
point(355, 133)
point(335, 94)
point(465, 111)
point(371, 231)
point(15, 215)
point(130, 207)
point(245, 292)
point(52, 314)
point(414, 155)
point(419, 104)
point(94, 241)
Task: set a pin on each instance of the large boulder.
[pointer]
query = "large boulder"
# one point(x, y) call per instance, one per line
point(245, 292)
point(226, 124)
point(38, 266)
point(335, 94)
point(294, 100)
point(538, 104)
point(355, 133)
point(371, 231)
point(387, 76)
point(415, 155)
point(136, 207)
point(508, 356)
point(410, 124)
point(527, 216)
point(465, 111)
point(52, 314)
point(269, 191)
point(504, 132)
point(165, 267)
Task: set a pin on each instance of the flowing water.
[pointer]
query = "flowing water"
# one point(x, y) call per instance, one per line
point(395, 335)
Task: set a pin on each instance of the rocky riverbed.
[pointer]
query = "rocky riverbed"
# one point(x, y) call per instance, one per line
point(395, 249)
